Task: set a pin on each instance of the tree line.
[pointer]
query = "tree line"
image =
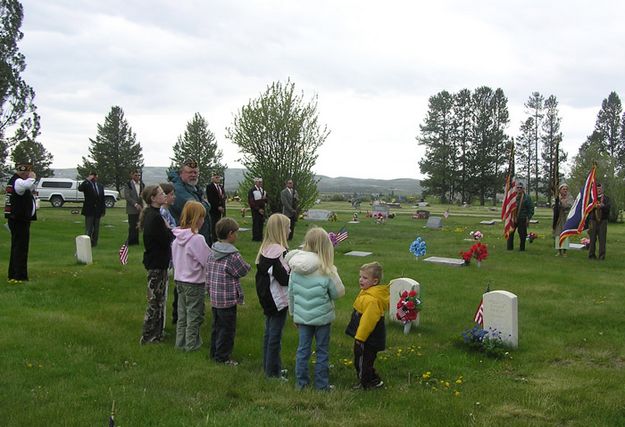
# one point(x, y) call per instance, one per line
point(468, 152)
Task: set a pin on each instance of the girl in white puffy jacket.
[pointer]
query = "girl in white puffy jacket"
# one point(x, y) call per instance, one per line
point(313, 285)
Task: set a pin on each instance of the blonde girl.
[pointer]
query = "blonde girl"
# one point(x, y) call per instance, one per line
point(272, 281)
point(190, 254)
point(313, 285)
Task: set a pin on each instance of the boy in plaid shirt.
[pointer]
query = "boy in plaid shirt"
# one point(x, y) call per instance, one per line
point(224, 269)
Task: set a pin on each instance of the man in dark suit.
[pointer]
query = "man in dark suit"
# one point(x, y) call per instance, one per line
point(93, 207)
point(257, 199)
point(216, 196)
point(20, 210)
point(134, 205)
point(290, 202)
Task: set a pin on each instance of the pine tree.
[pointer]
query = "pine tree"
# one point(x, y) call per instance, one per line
point(198, 143)
point(114, 153)
point(534, 108)
point(608, 125)
point(437, 134)
point(487, 141)
point(500, 143)
point(552, 156)
point(279, 134)
point(462, 112)
point(525, 150)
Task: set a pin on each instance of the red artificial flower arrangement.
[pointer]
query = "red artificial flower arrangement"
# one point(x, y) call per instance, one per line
point(479, 251)
point(408, 306)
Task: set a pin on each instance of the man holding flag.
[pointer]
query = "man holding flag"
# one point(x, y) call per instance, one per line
point(521, 215)
point(587, 203)
point(599, 224)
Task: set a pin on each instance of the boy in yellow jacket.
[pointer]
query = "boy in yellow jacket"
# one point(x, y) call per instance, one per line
point(367, 324)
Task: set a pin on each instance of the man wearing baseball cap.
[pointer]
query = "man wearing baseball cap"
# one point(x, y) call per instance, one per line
point(20, 210)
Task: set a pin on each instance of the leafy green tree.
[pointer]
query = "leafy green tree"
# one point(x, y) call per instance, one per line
point(437, 134)
point(534, 108)
point(28, 149)
point(198, 143)
point(279, 134)
point(115, 151)
point(16, 97)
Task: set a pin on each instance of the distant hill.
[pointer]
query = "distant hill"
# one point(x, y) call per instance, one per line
point(344, 185)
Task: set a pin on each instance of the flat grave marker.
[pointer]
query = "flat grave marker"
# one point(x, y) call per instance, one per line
point(453, 262)
point(358, 253)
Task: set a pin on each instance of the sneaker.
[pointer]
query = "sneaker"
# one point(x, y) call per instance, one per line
point(231, 362)
point(284, 372)
point(378, 384)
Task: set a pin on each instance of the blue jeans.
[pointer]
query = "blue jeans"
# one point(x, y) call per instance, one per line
point(322, 367)
point(223, 331)
point(272, 343)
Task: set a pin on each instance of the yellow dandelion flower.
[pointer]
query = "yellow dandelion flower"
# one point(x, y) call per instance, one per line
point(458, 381)
point(456, 393)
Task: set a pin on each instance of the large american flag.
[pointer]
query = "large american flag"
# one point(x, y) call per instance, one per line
point(583, 205)
point(123, 253)
point(341, 235)
point(508, 208)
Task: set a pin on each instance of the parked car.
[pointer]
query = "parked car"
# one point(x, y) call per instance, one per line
point(58, 191)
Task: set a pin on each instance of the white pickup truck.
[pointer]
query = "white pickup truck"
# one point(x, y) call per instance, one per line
point(61, 190)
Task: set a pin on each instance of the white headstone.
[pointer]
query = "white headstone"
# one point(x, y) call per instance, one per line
point(83, 249)
point(501, 315)
point(397, 287)
point(487, 222)
point(434, 222)
point(318, 215)
point(454, 262)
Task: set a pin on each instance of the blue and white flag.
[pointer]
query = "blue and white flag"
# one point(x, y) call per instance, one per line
point(583, 205)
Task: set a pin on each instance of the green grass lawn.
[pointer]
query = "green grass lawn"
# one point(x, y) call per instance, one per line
point(69, 338)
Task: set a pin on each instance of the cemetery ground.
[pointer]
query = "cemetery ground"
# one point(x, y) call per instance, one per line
point(70, 337)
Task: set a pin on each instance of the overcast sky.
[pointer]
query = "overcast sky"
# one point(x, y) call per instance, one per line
point(372, 64)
